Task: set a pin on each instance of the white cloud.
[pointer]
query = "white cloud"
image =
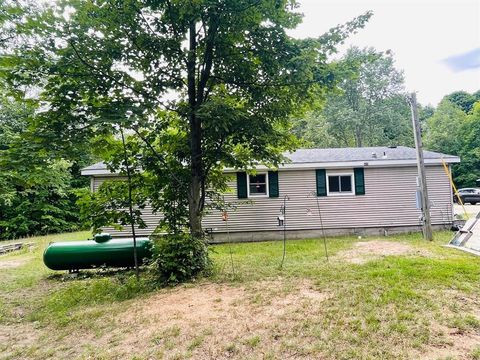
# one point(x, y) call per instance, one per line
point(421, 33)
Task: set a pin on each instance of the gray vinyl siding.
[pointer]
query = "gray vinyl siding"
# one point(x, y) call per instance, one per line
point(389, 201)
point(150, 219)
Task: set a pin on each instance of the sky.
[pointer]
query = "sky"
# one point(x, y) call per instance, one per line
point(429, 38)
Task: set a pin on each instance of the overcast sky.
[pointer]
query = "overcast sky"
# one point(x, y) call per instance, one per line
point(421, 33)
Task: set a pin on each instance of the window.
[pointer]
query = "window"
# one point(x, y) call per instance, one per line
point(257, 185)
point(340, 184)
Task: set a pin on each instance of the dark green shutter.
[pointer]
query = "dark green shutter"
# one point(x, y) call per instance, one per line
point(321, 182)
point(273, 190)
point(359, 181)
point(242, 185)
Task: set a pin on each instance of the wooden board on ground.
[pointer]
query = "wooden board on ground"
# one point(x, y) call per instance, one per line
point(13, 247)
point(468, 238)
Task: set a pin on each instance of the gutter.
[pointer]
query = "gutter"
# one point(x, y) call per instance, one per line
point(315, 165)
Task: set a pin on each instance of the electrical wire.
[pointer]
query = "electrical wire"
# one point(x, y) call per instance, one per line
point(283, 210)
point(130, 206)
point(323, 230)
point(230, 245)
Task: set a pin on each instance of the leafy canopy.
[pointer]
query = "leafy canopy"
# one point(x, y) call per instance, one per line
point(367, 109)
point(452, 131)
point(36, 195)
point(198, 85)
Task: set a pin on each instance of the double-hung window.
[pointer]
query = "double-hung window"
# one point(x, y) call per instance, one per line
point(340, 184)
point(257, 185)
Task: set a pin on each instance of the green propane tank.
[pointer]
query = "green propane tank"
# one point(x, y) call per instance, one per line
point(102, 251)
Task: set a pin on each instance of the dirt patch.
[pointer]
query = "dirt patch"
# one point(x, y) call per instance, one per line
point(12, 263)
point(371, 250)
point(18, 336)
point(216, 321)
point(454, 344)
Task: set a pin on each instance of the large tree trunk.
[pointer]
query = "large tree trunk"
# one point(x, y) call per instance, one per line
point(196, 166)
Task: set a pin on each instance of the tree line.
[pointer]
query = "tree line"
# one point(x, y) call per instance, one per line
point(369, 108)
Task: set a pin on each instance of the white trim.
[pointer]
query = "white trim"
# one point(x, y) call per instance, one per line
point(341, 193)
point(266, 186)
point(319, 165)
point(97, 172)
point(350, 164)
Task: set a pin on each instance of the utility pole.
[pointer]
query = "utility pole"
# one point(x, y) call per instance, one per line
point(422, 178)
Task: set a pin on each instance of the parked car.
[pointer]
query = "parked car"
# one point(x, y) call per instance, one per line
point(469, 195)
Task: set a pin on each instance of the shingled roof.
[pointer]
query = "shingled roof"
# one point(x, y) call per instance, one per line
point(302, 156)
point(341, 156)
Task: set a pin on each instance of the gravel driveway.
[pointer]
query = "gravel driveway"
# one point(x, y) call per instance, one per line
point(472, 210)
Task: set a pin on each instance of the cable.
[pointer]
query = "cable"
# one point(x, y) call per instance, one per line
point(314, 194)
point(130, 207)
point(323, 230)
point(225, 217)
point(283, 211)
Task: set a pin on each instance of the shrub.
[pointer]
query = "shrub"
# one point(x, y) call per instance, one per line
point(180, 257)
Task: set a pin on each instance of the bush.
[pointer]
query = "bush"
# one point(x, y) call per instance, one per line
point(177, 258)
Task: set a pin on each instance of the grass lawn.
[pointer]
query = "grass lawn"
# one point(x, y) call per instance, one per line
point(376, 298)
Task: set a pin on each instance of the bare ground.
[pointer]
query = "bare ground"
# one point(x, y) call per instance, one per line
point(238, 316)
point(214, 321)
point(256, 320)
point(10, 263)
point(203, 322)
point(224, 322)
point(370, 250)
point(455, 344)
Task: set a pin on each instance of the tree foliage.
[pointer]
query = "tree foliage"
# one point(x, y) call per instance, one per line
point(36, 195)
point(452, 131)
point(368, 108)
point(179, 257)
point(463, 99)
point(199, 85)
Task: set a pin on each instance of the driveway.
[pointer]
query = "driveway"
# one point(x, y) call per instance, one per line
point(472, 210)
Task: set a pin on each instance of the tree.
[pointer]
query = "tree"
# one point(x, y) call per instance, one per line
point(443, 130)
point(36, 195)
point(468, 171)
point(202, 85)
point(450, 130)
point(462, 99)
point(368, 108)
point(314, 130)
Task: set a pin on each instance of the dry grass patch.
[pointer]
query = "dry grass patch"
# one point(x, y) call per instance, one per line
point(214, 321)
point(416, 300)
point(9, 263)
point(364, 251)
point(450, 343)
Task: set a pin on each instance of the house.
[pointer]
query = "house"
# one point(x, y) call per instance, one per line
point(370, 190)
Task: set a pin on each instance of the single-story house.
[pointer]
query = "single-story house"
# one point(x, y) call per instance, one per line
point(369, 190)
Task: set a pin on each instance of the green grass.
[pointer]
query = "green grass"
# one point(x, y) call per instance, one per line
point(376, 305)
point(392, 307)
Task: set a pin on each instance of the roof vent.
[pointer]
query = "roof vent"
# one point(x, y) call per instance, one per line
point(384, 155)
point(374, 155)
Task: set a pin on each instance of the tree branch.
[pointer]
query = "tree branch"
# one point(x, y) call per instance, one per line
point(117, 81)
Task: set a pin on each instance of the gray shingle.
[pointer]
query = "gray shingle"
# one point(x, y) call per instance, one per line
point(97, 166)
point(303, 156)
